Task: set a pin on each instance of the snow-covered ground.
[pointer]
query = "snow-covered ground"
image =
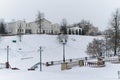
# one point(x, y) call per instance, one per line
point(52, 51)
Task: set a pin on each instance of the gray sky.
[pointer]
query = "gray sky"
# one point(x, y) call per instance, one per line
point(97, 12)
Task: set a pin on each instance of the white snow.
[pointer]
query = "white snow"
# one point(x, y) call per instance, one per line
point(25, 54)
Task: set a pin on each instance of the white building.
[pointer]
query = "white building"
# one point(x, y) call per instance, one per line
point(74, 30)
point(45, 26)
point(55, 28)
point(17, 27)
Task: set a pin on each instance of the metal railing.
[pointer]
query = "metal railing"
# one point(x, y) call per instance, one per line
point(67, 60)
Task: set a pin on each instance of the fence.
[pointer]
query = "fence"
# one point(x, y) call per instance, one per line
point(67, 61)
point(96, 64)
point(99, 63)
point(113, 60)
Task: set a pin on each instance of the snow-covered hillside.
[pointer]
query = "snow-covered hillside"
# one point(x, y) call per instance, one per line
point(25, 54)
point(52, 50)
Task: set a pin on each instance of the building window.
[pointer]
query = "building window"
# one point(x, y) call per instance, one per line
point(28, 31)
point(20, 30)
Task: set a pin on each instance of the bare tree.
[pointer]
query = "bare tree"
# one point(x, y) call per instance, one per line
point(39, 20)
point(107, 44)
point(87, 27)
point(62, 38)
point(20, 31)
point(63, 28)
point(95, 48)
point(115, 24)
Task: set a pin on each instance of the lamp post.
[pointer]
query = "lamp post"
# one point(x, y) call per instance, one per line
point(64, 41)
point(63, 52)
point(7, 63)
point(7, 53)
point(40, 58)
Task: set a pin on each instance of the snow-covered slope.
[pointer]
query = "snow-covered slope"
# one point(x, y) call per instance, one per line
point(52, 50)
point(25, 54)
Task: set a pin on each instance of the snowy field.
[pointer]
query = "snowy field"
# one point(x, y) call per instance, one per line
point(25, 54)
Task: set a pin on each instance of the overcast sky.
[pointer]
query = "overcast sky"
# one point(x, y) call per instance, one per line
point(98, 12)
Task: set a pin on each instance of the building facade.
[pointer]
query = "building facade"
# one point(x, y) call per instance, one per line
point(17, 27)
point(22, 27)
point(74, 30)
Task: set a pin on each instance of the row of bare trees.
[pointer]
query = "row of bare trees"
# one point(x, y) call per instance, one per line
point(110, 45)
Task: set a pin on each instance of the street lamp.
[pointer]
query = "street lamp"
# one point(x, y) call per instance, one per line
point(64, 41)
point(63, 52)
point(40, 58)
point(7, 63)
point(7, 53)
